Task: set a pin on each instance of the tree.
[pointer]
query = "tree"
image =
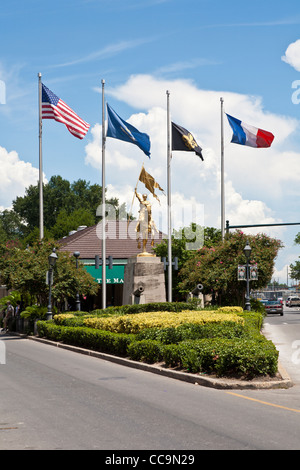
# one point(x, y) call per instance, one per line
point(25, 270)
point(295, 268)
point(67, 222)
point(11, 226)
point(215, 267)
point(77, 203)
point(182, 239)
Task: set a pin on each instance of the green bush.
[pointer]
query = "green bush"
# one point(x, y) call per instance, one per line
point(149, 307)
point(34, 312)
point(171, 355)
point(193, 331)
point(253, 321)
point(146, 350)
point(196, 355)
point(245, 357)
point(227, 348)
point(257, 306)
point(103, 341)
point(70, 319)
point(47, 329)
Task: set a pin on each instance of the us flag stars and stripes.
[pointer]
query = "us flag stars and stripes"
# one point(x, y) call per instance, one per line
point(55, 108)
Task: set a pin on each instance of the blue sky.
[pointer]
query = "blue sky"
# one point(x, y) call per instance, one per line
point(200, 50)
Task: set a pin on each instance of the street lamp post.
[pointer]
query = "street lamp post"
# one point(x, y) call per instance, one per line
point(247, 253)
point(52, 260)
point(78, 306)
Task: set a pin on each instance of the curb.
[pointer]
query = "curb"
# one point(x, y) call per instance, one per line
point(219, 383)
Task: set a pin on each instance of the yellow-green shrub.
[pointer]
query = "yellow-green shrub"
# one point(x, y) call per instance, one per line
point(140, 321)
point(230, 309)
point(60, 318)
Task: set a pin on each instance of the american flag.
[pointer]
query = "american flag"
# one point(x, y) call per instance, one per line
point(55, 108)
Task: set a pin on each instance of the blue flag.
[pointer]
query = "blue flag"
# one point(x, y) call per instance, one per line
point(119, 129)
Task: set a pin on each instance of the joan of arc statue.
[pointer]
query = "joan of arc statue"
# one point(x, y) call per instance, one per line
point(145, 227)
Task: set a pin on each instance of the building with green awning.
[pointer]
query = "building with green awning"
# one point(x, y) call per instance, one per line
point(121, 244)
point(113, 276)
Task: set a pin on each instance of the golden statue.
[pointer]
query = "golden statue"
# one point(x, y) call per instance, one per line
point(146, 225)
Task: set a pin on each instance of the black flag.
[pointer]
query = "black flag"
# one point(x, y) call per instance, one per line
point(184, 140)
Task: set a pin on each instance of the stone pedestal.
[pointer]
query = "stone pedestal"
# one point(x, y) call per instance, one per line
point(144, 280)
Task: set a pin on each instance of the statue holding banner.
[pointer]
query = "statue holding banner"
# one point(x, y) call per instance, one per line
point(146, 226)
point(144, 277)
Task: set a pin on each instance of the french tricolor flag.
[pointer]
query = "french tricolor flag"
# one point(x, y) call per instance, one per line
point(245, 134)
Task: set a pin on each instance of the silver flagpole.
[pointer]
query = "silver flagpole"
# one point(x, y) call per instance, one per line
point(41, 202)
point(103, 202)
point(222, 175)
point(169, 201)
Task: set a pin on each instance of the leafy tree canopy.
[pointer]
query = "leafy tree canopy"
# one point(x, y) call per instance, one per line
point(24, 270)
point(66, 206)
point(295, 268)
point(185, 242)
point(215, 267)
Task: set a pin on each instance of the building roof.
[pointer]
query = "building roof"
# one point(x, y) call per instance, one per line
point(120, 242)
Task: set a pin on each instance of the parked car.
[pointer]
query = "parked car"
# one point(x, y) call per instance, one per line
point(274, 306)
point(294, 302)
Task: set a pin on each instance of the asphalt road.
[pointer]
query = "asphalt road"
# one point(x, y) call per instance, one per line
point(53, 398)
point(284, 331)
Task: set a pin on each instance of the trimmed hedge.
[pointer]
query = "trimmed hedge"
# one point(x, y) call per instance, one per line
point(98, 340)
point(69, 319)
point(149, 307)
point(222, 348)
point(146, 350)
point(245, 357)
point(186, 331)
point(160, 319)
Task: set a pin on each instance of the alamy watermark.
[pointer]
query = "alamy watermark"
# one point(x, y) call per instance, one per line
point(296, 93)
point(2, 353)
point(190, 220)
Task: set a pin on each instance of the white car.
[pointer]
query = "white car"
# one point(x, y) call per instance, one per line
point(294, 302)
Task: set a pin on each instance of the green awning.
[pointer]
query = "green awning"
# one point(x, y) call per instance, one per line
point(113, 276)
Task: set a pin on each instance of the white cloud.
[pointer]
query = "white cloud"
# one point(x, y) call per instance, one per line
point(114, 152)
point(255, 179)
point(292, 55)
point(184, 65)
point(107, 51)
point(15, 176)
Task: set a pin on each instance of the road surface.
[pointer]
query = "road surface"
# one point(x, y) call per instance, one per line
point(53, 398)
